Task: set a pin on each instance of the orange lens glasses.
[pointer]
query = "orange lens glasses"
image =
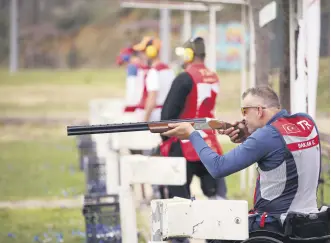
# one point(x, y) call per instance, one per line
point(245, 108)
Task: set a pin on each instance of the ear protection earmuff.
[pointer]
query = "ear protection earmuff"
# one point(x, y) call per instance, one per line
point(151, 50)
point(188, 54)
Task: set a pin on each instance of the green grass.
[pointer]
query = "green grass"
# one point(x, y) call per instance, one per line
point(22, 226)
point(40, 93)
point(323, 88)
point(114, 77)
point(37, 92)
point(49, 167)
point(325, 197)
point(40, 164)
point(324, 188)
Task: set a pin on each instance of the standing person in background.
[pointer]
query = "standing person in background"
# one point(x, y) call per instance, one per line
point(157, 85)
point(158, 79)
point(221, 185)
point(136, 72)
point(192, 95)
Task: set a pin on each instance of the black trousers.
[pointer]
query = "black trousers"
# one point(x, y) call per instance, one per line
point(208, 183)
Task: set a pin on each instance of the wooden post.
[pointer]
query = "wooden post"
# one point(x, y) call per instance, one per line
point(285, 74)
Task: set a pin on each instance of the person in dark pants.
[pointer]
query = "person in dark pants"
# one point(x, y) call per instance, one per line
point(192, 95)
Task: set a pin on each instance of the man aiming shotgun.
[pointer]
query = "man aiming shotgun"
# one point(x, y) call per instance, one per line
point(287, 151)
point(285, 147)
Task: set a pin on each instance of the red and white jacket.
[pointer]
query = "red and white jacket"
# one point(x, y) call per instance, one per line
point(158, 78)
point(200, 103)
point(135, 86)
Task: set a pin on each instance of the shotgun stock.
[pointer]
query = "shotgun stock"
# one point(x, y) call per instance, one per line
point(154, 127)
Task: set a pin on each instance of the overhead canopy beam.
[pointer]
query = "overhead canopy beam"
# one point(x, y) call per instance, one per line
point(223, 1)
point(169, 5)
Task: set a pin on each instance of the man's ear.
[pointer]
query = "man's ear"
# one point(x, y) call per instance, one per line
point(260, 112)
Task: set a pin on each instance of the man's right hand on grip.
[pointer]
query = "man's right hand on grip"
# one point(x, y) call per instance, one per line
point(237, 132)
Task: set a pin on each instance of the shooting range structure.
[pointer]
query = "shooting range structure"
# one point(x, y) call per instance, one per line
point(212, 7)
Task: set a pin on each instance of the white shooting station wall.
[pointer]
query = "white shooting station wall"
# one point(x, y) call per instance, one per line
point(199, 219)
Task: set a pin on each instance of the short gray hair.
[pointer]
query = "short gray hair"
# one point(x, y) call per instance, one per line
point(266, 93)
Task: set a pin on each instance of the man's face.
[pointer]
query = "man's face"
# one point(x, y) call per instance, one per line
point(252, 110)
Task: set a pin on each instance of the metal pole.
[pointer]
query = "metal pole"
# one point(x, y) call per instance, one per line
point(252, 61)
point(13, 37)
point(212, 38)
point(243, 173)
point(165, 30)
point(292, 51)
point(187, 25)
point(243, 50)
point(252, 54)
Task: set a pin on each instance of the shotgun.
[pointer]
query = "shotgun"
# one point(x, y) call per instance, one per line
point(154, 127)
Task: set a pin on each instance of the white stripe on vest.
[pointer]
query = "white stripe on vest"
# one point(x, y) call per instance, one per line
point(302, 140)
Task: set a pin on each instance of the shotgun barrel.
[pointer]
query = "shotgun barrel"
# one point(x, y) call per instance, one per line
point(154, 127)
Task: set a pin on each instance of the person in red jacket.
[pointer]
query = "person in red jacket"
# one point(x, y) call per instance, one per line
point(135, 77)
point(158, 79)
point(193, 94)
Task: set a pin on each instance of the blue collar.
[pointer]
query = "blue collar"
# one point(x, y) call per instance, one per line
point(281, 113)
